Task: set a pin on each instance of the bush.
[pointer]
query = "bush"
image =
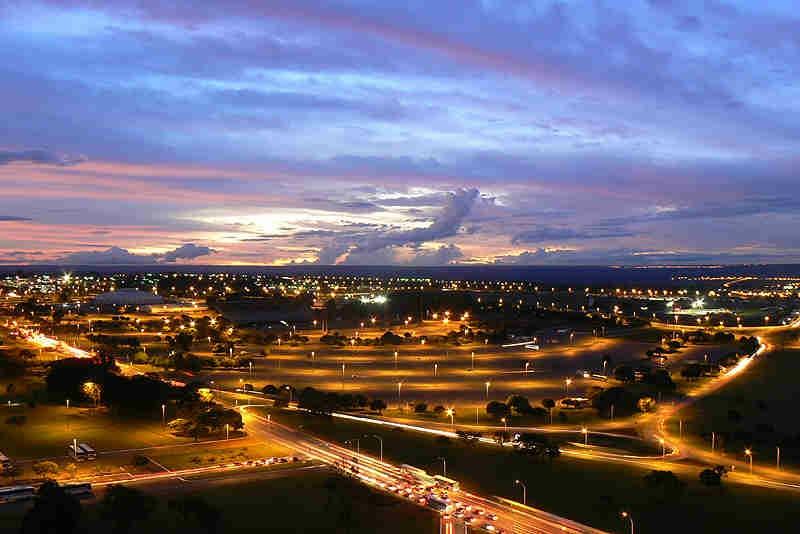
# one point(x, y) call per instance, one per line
point(710, 477)
point(45, 468)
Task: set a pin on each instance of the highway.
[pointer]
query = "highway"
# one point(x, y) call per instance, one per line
point(510, 517)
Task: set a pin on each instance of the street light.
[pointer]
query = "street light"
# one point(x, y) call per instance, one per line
point(487, 389)
point(451, 413)
point(663, 447)
point(164, 414)
point(399, 386)
point(395, 360)
point(749, 455)
point(380, 439)
point(567, 383)
point(524, 491)
point(585, 432)
point(527, 365)
point(473, 360)
point(626, 515)
point(505, 426)
point(444, 465)
point(435, 369)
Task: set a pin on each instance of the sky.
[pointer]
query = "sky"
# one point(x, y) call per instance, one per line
point(399, 133)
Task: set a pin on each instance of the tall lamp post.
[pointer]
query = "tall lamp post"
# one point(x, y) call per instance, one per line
point(380, 439)
point(444, 465)
point(524, 491)
point(749, 454)
point(626, 515)
point(487, 389)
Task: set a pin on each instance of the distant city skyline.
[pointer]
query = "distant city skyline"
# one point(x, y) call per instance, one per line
point(409, 133)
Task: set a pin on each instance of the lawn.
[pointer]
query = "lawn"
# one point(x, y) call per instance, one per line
point(587, 491)
point(758, 410)
point(309, 501)
point(49, 429)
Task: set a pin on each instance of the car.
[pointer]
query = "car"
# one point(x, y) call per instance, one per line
point(491, 517)
point(489, 527)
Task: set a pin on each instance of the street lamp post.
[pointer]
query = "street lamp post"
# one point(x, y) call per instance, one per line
point(227, 431)
point(527, 365)
point(473, 360)
point(567, 383)
point(524, 491)
point(444, 465)
point(777, 458)
point(395, 360)
point(435, 369)
point(487, 389)
point(663, 447)
point(585, 432)
point(505, 426)
point(399, 387)
point(164, 414)
point(451, 413)
point(626, 515)
point(380, 439)
point(749, 454)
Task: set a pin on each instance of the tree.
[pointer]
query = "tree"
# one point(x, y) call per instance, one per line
point(196, 512)
point(519, 404)
point(420, 407)
point(710, 477)
point(497, 409)
point(377, 405)
point(124, 506)
point(45, 468)
point(624, 373)
point(664, 484)
point(646, 404)
point(92, 391)
point(54, 512)
point(549, 404)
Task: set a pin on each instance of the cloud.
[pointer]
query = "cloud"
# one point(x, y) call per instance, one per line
point(364, 245)
point(543, 233)
point(44, 157)
point(13, 218)
point(189, 251)
point(406, 256)
point(121, 256)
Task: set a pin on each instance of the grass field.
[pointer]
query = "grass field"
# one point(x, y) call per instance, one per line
point(588, 491)
point(758, 409)
point(49, 429)
point(311, 501)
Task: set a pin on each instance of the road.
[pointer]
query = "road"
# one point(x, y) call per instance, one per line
point(511, 517)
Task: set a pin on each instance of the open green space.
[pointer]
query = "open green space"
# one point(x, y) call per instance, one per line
point(308, 501)
point(593, 492)
point(48, 430)
point(757, 410)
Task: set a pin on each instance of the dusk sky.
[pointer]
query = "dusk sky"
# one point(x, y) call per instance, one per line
point(406, 133)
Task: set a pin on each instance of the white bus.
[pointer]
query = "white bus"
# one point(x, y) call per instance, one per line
point(446, 483)
point(79, 490)
point(84, 452)
point(16, 493)
point(90, 453)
